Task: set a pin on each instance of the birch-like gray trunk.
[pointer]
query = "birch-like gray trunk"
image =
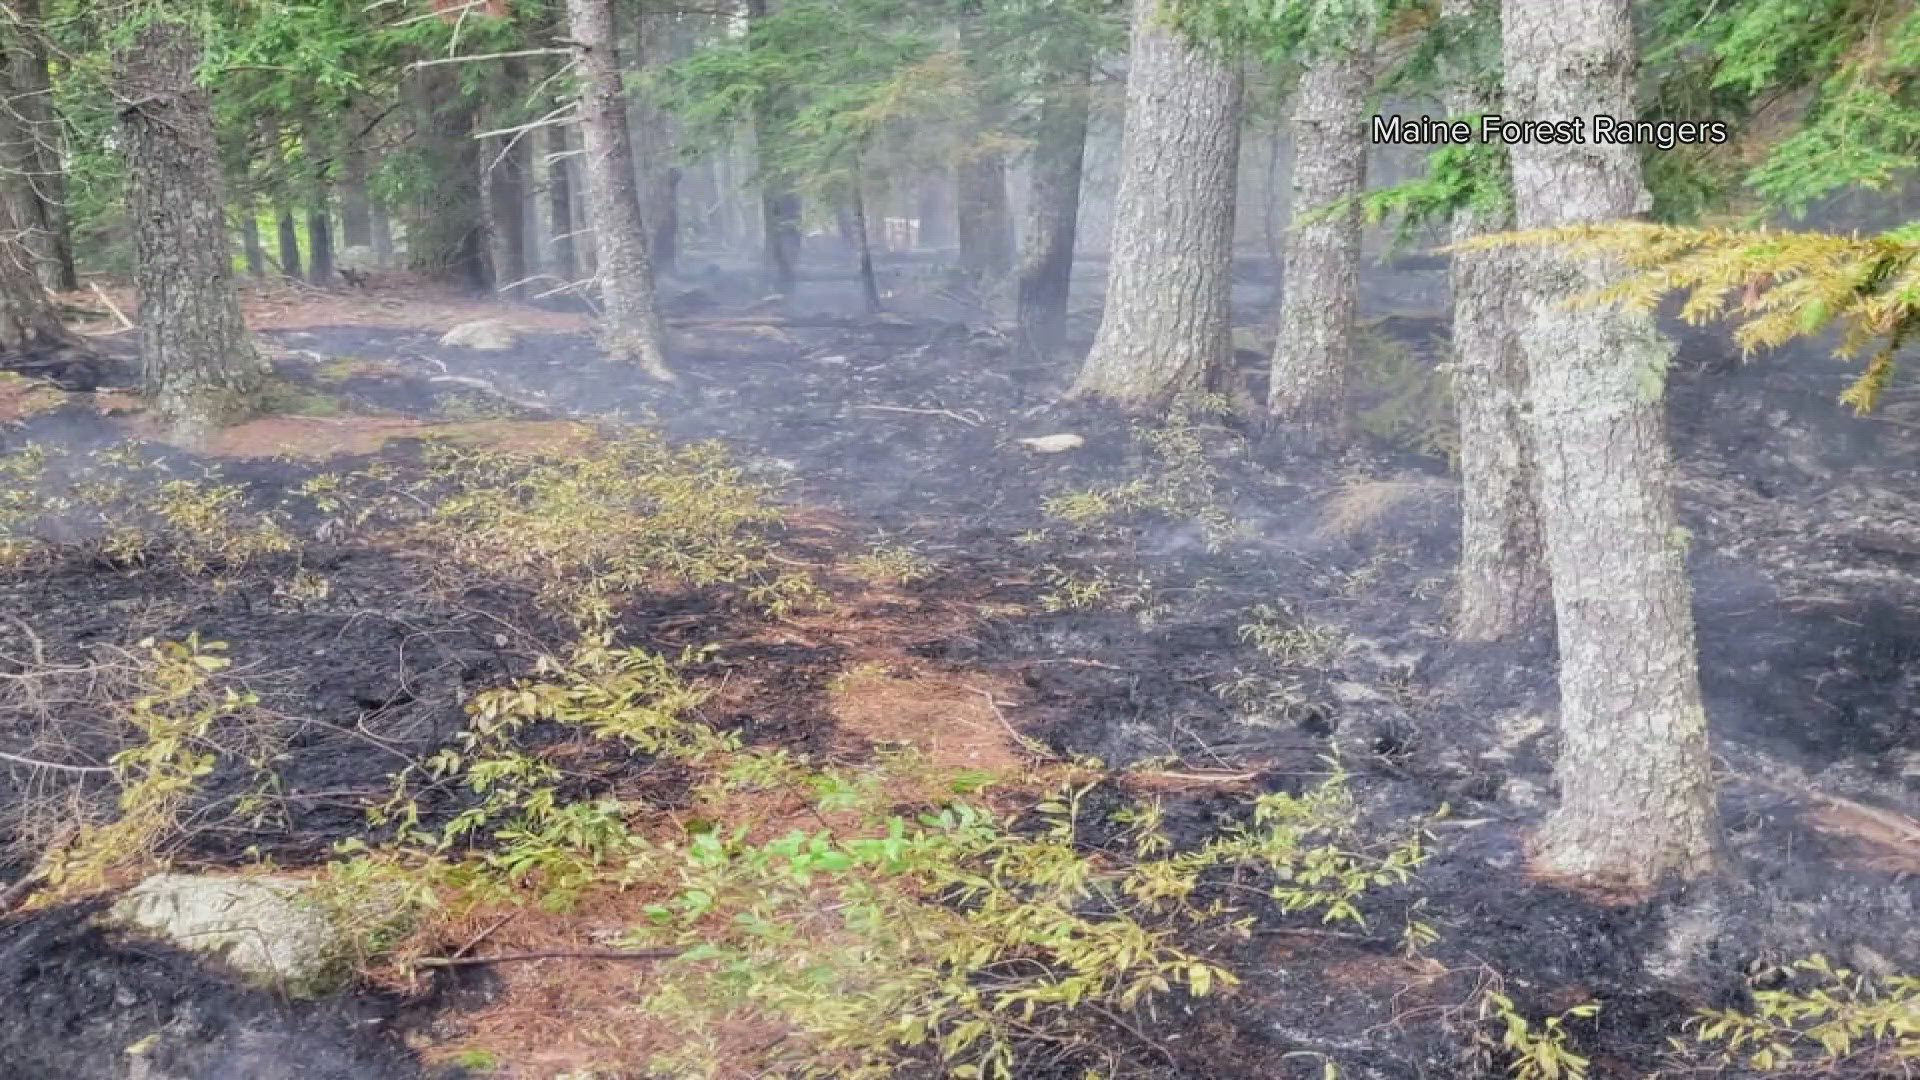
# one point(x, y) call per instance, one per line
point(1503, 589)
point(1636, 782)
point(1053, 211)
point(1321, 265)
point(1166, 328)
point(198, 363)
point(631, 328)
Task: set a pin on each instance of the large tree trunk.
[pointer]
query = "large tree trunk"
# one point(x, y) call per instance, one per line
point(29, 322)
point(51, 236)
point(1503, 590)
point(1053, 211)
point(632, 329)
point(199, 365)
point(1166, 326)
point(779, 201)
point(446, 233)
point(1636, 782)
point(1320, 277)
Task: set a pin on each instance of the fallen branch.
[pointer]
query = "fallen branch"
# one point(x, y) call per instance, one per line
point(548, 954)
point(1030, 745)
point(56, 766)
point(948, 413)
point(20, 890)
point(125, 323)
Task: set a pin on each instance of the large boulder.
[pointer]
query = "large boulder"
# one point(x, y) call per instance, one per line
point(269, 929)
point(482, 335)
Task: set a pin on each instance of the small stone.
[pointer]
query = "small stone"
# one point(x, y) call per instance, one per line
point(1053, 444)
point(483, 335)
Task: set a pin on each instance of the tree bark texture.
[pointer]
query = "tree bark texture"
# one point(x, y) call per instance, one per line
point(319, 215)
point(1503, 588)
point(198, 362)
point(1636, 784)
point(632, 329)
point(504, 174)
point(1053, 211)
point(28, 320)
point(1320, 276)
point(250, 244)
point(1166, 328)
point(45, 142)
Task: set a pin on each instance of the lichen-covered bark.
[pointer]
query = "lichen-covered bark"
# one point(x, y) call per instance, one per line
point(1503, 590)
point(1053, 211)
point(1166, 329)
point(1321, 267)
point(631, 328)
point(1636, 785)
point(198, 363)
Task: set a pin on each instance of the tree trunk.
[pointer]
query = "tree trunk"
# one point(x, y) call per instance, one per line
point(45, 148)
point(319, 216)
point(1503, 589)
point(1320, 277)
point(250, 243)
point(779, 201)
point(653, 141)
point(382, 222)
point(1636, 783)
point(289, 232)
point(1053, 211)
point(356, 206)
point(29, 323)
point(863, 243)
point(1166, 326)
point(934, 212)
point(560, 205)
point(446, 235)
point(505, 173)
point(199, 364)
point(632, 329)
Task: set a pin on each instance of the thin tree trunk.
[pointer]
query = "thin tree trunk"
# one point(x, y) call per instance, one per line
point(1053, 211)
point(863, 243)
point(935, 212)
point(560, 205)
point(505, 174)
point(29, 323)
point(199, 364)
point(250, 243)
point(1636, 780)
point(45, 141)
point(289, 233)
point(319, 216)
point(1503, 589)
point(382, 223)
point(356, 205)
point(653, 141)
point(1321, 275)
point(632, 328)
point(779, 201)
point(446, 231)
point(1166, 327)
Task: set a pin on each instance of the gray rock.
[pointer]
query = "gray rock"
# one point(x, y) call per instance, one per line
point(482, 335)
point(266, 928)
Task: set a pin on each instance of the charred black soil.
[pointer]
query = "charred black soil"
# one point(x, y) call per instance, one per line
point(1134, 639)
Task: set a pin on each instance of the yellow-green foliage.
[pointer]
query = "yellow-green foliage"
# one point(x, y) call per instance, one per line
point(1778, 285)
point(951, 934)
point(175, 706)
point(1290, 639)
point(1409, 402)
point(1097, 587)
point(1831, 1021)
point(891, 564)
point(586, 530)
point(1535, 1053)
point(1183, 484)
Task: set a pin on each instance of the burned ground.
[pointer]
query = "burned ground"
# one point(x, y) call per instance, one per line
point(903, 431)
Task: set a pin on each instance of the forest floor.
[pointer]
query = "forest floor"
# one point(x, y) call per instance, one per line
point(1215, 631)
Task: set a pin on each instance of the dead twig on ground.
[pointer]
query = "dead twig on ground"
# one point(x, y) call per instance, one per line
point(547, 954)
point(975, 421)
point(121, 316)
